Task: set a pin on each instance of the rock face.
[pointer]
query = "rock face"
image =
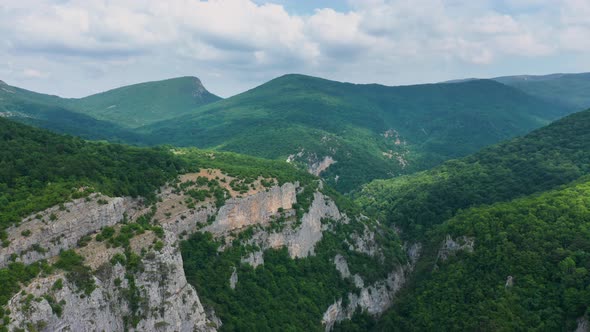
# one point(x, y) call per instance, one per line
point(583, 325)
point(254, 259)
point(166, 301)
point(375, 298)
point(364, 243)
point(60, 228)
point(342, 267)
point(301, 239)
point(316, 168)
point(450, 246)
point(233, 280)
point(238, 213)
point(156, 296)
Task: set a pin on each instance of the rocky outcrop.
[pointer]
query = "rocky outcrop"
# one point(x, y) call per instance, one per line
point(342, 267)
point(45, 234)
point(364, 243)
point(583, 325)
point(317, 167)
point(166, 301)
point(300, 239)
point(238, 213)
point(254, 259)
point(449, 247)
point(375, 298)
point(233, 279)
point(169, 297)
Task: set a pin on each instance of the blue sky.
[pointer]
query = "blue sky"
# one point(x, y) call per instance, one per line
point(307, 7)
point(78, 47)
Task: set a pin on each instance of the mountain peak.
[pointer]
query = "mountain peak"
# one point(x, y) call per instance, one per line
point(2, 83)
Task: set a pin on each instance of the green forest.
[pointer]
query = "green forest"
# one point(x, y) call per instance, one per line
point(542, 242)
point(39, 169)
point(546, 158)
point(422, 164)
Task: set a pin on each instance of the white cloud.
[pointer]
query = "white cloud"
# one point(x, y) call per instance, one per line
point(250, 41)
point(34, 73)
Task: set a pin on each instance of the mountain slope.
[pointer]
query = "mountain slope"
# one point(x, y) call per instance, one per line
point(569, 89)
point(103, 236)
point(45, 112)
point(109, 115)
point(142, 104)
point(40, 169)
point(520, 263)
point(527, 269)
point(354, 133)
point(546, 158)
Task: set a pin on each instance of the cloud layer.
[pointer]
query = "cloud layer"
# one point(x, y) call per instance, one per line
point(234, 44)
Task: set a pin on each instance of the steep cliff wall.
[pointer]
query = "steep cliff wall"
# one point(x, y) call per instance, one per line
point(238, 213)
point(44, 234)
point(375, 298)
point(166, 302)
point(154, 294)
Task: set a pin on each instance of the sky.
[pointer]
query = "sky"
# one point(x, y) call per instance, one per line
point(75, 48)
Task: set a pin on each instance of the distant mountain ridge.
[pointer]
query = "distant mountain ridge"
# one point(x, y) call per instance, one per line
point(347, 133)
point(572, 90)
point(129, 106)
point(352, 133)
point(145, 103)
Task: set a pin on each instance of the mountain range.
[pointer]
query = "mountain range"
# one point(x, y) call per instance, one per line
point(466, 207)
point(347, 133)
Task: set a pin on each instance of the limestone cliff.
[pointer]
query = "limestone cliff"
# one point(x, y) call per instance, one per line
point(299, 236)
point(449, 246)
point(44, 234)
point(166, 301)
point(155, 295)
point(375, 298)
point(238, 213)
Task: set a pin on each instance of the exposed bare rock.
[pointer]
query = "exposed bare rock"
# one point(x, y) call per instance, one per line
point(61, 228)
point(170, 298)
point(166, 301)
point(583, 325)
point(364, 243)
point(342, 267)
point(302, 240)
point(413, 252)
point(509, 282)
point(450, 246)
point(317, 167)
point(238, 213)
point(233, 280)
point(374, 299)
point(254, 259)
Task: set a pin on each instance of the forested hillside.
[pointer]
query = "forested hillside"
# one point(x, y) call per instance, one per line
point(518, 264)
point(568, 89)
point(528, 269)
point(347, 133)
point(145, 103)
point(39, 169)
point(546, 158)
point(109, 115)
point(354, 133)
point(301, 239)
